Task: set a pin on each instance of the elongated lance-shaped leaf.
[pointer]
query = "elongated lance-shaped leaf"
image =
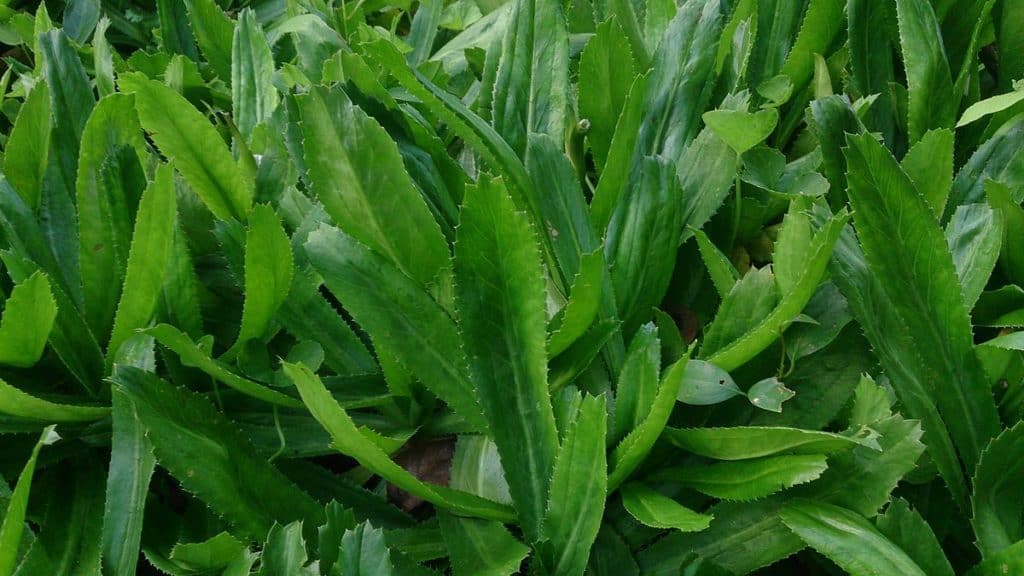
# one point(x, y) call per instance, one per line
point(905, 528)
point(931, 102)
point(637, 385)
point(747, 442)
point(607, 70)
point(131, 467)
point(680, 81)
point(578, 492)
point(103, 58)
point(748, 479)
point(1000, 158)
point(754, 341)
point(13, 524)
point(214, 34)
point(643, 239)
point(776, 24)
point(531, 89)
point(253, 94)
point(654, 509)
point(822, 23)
point(349, 440)
point(28, 144)
point(905, 248)
point(500, 297)
point(185, 136)
point(27, 320)
point(16, 402)
point(268, 272)
point(357, 173)
point(396, 310)
point(148, 258)
point(210, 458)
point(871, 60)
point(848, 539)
point(997, 511)
point(110, 183)
point(974, 235)
point(583, 305)
point(634, 448)
point(929, 163)
point(192, 355)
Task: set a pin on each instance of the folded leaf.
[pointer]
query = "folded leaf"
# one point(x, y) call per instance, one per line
point(746, 442)
point(253, 94)
point(268, 272)
point(28, 317)
point(653, 509)
point(748, 479)
point(13, 524)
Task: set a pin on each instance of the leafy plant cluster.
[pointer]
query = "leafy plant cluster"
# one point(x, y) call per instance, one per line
point(486, 287)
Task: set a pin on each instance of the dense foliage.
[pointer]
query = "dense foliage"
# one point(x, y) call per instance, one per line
point(488, 287)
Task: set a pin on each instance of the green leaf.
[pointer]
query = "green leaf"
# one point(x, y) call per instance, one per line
point(27, 149)
point(823, 21)
point(203, 450)
point(357, 173)
point(606, 72)
point(481, 547)
point(642, 241)
point(582, 307)
point(706, 174)
point(531, 87)
point(748, 479)
point(746, 442)
point(27, 320)
point(932, 102)
point(578, 492)
point(268, 272)
point(635, 447)
point(905, 528)
point(989, 106)
point(871, 60)
point(14, 517)
point(760, 336)
point(1000, 158)
point(131, 467)
point(215, 553)
point(723, 274)
point(638, 381)
point(1008, 561)
point(364, 552)
point(351, 441)
point(214, 33)
point(847, 539)
point(110, 183)
point(653, 509)
point(148, 258)
point(253, 94)
point(174, 32)
point(285, 552)
point(905, 248)
point(1011, 259)
point(929, 164)
point(192, 355)
point(187, 138)
point(15, 402)
point(997, 514)
point(974, 236)
point(769, 394)
point(396, 311)
point(705, 384)
point(617, 169)
point(742, 130)
point(792, 248)
point(500, 296)
point(103, 59)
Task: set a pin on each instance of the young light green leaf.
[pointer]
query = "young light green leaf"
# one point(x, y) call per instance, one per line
point(606, 73)
point(110, 183)
point(989, 106)
point(14, 517)
point(847, 539)
point(27, 149)
point(617, 169)
point(651, 508)
point(500, 297)
point(742, 130)
point(396, 310)
point(211, 458)
point(351, 441)
point(792, 248)
point(214, 34)
point(103, 59)
point(217, 552)
point(748, 479)
point(823, 21)
point(932, 102)
point(481, 547)
point(28, 317)
point(268, 272)
point(15, 402)
point(148, 258)
point(357, 173)
point(187, 138)
point(192, 355)
point(905, 247)
point(253, 94)
point(746, 442)
point(578, 492)
point(769, 394)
